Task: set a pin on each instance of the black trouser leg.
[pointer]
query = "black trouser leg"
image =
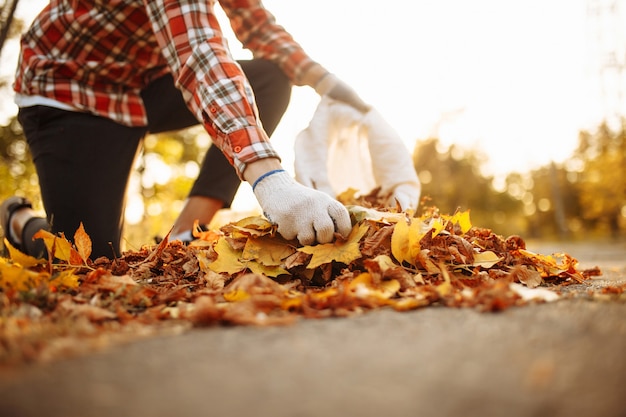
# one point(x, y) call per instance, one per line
point(83, 163)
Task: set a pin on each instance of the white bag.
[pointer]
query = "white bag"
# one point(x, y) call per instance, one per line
point(343, 148)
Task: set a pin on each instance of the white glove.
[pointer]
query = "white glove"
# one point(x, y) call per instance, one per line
point(334, 88)
point(300, 211)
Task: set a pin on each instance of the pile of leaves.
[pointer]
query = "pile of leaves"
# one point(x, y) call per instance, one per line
point(245, 273)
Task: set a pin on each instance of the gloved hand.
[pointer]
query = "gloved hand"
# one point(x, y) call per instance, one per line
point(300, 212)
point(331, 86)
point(407, 195)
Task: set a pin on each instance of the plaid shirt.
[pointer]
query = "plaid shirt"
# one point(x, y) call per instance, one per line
point(97, 56)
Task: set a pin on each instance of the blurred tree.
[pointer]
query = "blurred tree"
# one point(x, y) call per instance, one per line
point(551, 203)
point(9, 26)
point(17, 172)
point(164, 174)
point(451, 180)
point(602, 181)
point(168, 165)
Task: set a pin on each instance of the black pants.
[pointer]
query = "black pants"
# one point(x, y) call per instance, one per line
point(84, 161)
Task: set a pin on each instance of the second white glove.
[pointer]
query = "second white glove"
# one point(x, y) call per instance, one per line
point(300, 212)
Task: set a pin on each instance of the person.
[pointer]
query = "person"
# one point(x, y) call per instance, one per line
point(94, 77)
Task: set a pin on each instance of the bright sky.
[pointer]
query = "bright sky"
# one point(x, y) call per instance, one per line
point(510, 77)
point(514, 78)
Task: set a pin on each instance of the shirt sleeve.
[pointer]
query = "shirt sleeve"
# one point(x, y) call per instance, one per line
point(256, 28)
point(212, 82)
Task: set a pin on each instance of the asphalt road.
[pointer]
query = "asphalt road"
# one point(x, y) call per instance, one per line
point(566, 358)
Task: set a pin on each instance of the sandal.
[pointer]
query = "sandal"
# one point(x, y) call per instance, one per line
point(8, 207)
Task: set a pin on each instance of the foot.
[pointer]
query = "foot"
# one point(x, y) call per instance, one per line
point(14, 213)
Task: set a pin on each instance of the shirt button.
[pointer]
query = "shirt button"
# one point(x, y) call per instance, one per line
point(213, 110)
point(237, 149)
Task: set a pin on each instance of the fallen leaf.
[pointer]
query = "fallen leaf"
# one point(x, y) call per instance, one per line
point(16, 277)
point(59, 247)
point(339, 250)
point(462, 219)
point(235, 295)
point(16, 256)
point(486, 259)
point(405, 241)
point(65, 279)
point(267, 251)
point(82, 242)
point(227, 259)
point(364, 287)
point(529, 277)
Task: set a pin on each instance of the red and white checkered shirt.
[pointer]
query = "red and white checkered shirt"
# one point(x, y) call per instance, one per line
point(97, 55)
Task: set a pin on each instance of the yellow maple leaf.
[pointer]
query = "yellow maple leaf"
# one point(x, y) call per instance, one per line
point(18, 257)
point(227, 258)
point(364, 287)
point(59, 247)
point(400, 242)
point(439, 224)
point(344, 251)
point(462, 218)
point(65, 279)
point(266, 250)
point(251, 226)
point(347, 196)
point(267, 270)
point(238, 294)
point(359, 214)
point(405, 241)
point(14, 276)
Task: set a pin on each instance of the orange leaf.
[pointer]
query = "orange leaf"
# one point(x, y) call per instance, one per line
point(82, 242)
point(205, 235)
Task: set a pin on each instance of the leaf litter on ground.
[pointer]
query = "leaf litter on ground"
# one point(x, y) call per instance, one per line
point(245, 273)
